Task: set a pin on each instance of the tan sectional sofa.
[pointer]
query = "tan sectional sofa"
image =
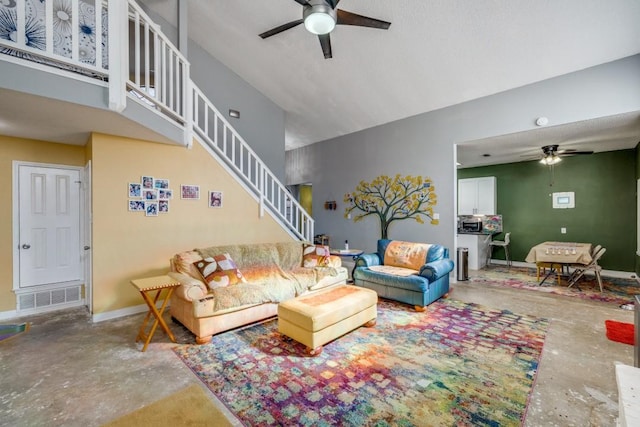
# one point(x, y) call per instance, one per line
point(271, 273)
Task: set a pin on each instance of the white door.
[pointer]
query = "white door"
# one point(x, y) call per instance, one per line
point(49, 215)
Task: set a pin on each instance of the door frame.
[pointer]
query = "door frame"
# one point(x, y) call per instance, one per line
point(15, 222)
point(86, 222)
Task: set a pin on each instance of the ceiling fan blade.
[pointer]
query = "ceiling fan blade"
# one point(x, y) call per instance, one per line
point(573, 152)
point(325, 43)
point(349, 18)
point(281, 28)
point(302, 2)
point(333, 3)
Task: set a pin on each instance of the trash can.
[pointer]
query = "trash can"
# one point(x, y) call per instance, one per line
point(463, 264)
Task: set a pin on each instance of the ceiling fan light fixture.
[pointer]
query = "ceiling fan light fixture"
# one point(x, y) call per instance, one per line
point(319, 19)
point(551, 160)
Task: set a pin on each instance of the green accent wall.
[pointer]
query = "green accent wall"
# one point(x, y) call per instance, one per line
point(605, 204)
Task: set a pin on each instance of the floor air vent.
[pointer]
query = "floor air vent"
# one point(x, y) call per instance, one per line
point(50, 299)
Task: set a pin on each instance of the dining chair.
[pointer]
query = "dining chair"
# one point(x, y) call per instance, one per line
point(503, 244)
point(578, 267)
point(581, 269)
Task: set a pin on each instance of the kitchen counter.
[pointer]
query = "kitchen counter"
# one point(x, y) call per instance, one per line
point(478, 248)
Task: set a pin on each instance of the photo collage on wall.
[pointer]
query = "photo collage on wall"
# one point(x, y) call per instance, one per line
point(150, 196)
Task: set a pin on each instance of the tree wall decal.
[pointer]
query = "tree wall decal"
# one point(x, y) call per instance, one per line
point(393, 199)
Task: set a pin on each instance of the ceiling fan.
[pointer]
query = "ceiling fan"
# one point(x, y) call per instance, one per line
point(551, 155)
point(321, 16)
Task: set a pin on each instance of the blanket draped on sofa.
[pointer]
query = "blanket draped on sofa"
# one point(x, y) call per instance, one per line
point(273, 274)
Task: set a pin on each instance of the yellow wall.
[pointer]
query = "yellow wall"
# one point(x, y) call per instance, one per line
point(128, 245)
point(125, 244)
point(29, 151)
point(306, 198)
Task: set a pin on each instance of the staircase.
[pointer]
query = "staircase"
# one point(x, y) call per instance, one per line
point(115, 43)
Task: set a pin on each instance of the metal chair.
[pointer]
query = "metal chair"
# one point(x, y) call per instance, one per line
point(503, 244)
point(580, 270)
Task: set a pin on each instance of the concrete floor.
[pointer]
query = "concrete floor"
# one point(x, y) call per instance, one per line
point(68, 371)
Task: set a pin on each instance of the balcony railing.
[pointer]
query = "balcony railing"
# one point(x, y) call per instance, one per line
point(117, 42)
point(65, 34)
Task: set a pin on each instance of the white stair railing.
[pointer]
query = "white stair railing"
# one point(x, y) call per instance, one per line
point(214, 129)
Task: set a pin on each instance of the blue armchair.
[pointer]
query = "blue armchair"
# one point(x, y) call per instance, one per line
point(413, 273)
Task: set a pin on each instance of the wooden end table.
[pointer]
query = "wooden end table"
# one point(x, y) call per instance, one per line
point(147, 287)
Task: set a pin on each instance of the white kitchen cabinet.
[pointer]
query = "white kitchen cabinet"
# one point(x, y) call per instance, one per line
point(477, 196)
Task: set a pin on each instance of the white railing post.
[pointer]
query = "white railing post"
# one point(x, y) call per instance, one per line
point(262, 173)
point(118, 54)
point(188, 107)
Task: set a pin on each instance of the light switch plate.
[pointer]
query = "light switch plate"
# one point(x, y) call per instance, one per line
point(563, 230)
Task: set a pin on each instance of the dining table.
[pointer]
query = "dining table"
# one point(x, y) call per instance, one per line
point(559, 255)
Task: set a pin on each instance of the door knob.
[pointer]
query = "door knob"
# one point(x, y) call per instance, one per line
point(86, 248)
point(25, 246)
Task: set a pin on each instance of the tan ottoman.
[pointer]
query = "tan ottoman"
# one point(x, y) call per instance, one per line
point(317, 319)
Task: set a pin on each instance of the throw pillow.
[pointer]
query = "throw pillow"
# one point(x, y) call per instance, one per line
point(315, 256)
point(219, 271)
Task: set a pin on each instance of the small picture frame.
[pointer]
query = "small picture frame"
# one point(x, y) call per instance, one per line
point(165, 194)
point(190, 192)
point(151, 208)
point(215, 199)
point(147, 182)
point(135, 190)
point(136, 205)
point(163, 206)
point(161, 183)
point(150, 194)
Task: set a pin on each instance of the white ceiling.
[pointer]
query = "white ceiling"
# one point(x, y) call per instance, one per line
point(604, 134)
point(436, 53)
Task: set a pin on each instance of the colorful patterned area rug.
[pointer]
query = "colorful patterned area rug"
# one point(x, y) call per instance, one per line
point(455, 364)
point(12, 331)
point(615, 290)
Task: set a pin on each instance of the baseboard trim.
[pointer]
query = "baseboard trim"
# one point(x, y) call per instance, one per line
point(7, 315)
point(122, 312)
point(609, 273)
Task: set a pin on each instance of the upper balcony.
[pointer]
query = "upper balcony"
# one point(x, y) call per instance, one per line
point(90, 66)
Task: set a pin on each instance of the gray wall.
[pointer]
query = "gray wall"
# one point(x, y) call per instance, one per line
point(261, 122)
point(425, 145)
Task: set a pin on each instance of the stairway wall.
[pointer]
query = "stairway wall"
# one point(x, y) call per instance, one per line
point(128, 245)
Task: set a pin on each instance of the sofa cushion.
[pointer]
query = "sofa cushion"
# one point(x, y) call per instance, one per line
point(315, 256)
point(415, 283)
point(219, 271)
point(406, 254)
point(396, 271)
point(184, 263)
